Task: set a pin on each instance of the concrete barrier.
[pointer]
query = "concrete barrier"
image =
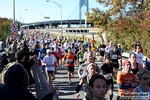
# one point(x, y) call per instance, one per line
point(77, 31)
point(126, 55)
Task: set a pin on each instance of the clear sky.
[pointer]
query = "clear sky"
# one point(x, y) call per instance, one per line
point(70, 9)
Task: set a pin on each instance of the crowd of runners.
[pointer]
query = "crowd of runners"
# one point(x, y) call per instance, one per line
point(56, 52)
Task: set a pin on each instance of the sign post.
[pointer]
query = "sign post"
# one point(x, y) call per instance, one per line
point(14, 30)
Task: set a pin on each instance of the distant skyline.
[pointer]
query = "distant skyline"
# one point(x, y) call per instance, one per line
point(37, 9)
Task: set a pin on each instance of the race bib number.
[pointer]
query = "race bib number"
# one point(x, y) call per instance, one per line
point(114, 56)
point(126, 90)
point(70, 60)
point(102, 49)
point(109, 76)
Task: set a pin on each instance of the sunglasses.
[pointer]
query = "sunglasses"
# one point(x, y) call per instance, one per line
point(145, 78)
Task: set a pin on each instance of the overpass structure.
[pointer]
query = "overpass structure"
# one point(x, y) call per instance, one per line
point(53, 24)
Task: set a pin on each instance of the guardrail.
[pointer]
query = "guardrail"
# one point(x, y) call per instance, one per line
point(126, 55)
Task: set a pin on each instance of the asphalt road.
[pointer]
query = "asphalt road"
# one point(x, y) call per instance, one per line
point(66, 91)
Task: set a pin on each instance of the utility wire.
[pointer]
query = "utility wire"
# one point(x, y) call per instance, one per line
point(73, 10)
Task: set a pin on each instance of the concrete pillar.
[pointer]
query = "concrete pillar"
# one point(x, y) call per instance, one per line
point(69, 25)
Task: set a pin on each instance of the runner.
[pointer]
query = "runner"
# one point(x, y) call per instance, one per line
point(101, 50)
point(83, 68)
point(126, 81)
point(49, 61)
point(70, 63)
point(80, 55)
point(94, 50)
point(108, 48)
point(139, 55)
point(62, 54)
point(107, 70)
point(144, 79)
point(147, 61)
point(98, 87)
point(135, 66)
point(85, 80)
point(115, 55)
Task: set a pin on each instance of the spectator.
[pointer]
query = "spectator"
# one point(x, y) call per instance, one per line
point(2, 45)
point(12, 49)
point(16, 84)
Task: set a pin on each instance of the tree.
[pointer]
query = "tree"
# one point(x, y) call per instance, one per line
point(127, 21)
point(5, 27)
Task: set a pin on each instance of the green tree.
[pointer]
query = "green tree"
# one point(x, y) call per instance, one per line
point(5, 27)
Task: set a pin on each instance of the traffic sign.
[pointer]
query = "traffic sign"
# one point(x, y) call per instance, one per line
point(14, 34)
point(14, 27)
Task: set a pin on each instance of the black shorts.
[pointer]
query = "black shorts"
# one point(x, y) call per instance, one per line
point(116, 64)
point(75, 57)
point(110, 84)
point(70, 68)
point(50, 72)
point(102, 53)
point(58, 58)
point(81, 62)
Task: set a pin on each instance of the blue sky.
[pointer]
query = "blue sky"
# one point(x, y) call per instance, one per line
point(70, 9)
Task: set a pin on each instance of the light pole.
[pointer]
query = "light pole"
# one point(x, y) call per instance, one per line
point(13, 11)
point(59, 5)
point(20, 17)
point(44, 20)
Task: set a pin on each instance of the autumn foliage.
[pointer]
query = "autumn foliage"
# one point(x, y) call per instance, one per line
point(126, 21)
point(5, 27)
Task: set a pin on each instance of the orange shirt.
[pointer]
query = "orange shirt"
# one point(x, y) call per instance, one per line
point(82, 39)
point(125, 79)
point(70, 59)
point(92, 41)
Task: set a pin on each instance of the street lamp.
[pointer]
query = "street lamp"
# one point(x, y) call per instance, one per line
point(13, 11)
point(59, 5)
point(20, 17)
point(44, 20)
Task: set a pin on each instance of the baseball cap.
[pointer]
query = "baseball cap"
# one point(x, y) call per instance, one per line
point(126, 62)
point(48, 50)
